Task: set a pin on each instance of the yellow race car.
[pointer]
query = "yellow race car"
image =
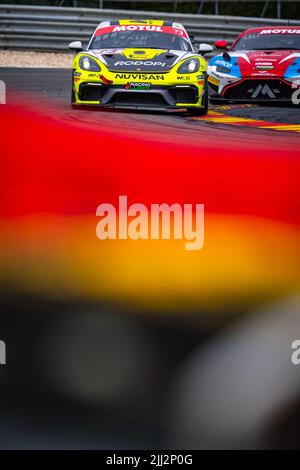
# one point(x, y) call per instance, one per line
point(140, 64)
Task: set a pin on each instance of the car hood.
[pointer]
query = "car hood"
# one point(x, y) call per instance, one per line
point(139, 60)
point(266, 63)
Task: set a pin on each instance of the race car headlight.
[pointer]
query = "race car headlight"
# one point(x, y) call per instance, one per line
point(189, 66)
point(87, 63)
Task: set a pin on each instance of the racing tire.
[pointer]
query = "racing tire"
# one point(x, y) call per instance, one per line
point(73, 99)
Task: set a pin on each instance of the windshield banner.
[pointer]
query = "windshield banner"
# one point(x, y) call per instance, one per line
point(150, 28)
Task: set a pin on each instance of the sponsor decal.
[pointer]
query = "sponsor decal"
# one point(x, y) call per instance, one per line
point(138, 27)
point(77, 74)
point(262, 61)
point(154, 22)
point(149, 63)
point(138, 76)
point(182, 77)
point(280, 31)
point(138, 86)
point(223, 63)
point(259, 73)
point(213, 80)
point(264, 67)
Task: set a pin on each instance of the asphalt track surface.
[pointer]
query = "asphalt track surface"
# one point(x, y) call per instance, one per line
point(237, 124)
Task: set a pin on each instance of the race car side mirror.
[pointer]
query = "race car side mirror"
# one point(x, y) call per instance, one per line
point(205, 48)
point(226, 56)
point(76, 46)
point(192, 39)
point(221, 44)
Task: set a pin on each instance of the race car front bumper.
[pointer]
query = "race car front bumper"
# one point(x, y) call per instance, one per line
point(157, 97)
point(256, 90)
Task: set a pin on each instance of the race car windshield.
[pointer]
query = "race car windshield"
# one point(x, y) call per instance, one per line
point(141, 39)
point(258, 41)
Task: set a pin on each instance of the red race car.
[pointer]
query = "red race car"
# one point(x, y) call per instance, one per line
point(263, 64)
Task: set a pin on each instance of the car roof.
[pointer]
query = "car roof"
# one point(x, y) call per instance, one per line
point(125, 22)
point(274, 28)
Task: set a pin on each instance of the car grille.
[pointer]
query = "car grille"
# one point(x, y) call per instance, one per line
point(138, 99)
point(89, 92)
point(260, 90)
point(185, 94)
point(156, 97)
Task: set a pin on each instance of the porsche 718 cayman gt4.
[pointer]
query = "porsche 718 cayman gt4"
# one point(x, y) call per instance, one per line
point(140, 65)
